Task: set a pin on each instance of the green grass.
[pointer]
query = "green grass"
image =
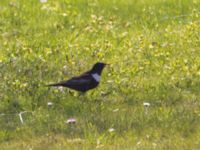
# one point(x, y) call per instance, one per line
point(153, 47)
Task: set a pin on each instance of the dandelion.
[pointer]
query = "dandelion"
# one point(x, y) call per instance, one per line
point(128, 24)
point(64, 14)
point(138, 143)
point(99, 144)
point(116, 110)
point(110, 81)
point(124, 34)
point(94, 17)
point(154, 144)
point(2, 114)
point(151, 46)
point(71, 121)
point(104, 93)
point(76, 140)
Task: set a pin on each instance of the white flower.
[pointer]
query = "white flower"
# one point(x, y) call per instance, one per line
point(43, 1)
point(146, 104)
point(60, 88)
point(71, 121)
point(49, 104)
point(146, 107)
point(111, 130)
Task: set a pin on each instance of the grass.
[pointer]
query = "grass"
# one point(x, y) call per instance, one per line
point(153, 47)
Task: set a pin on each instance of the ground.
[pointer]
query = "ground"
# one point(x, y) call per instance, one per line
point(148, 97)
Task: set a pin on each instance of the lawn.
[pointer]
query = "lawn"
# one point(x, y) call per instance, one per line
point(149, 95)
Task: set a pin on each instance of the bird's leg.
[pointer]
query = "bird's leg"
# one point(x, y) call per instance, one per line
point(82, 93)
point(70, 92)
point(82, 96)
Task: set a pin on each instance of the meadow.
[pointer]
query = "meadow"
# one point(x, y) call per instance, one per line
point(148, 98)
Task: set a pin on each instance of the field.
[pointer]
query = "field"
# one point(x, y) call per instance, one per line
point(149, 95)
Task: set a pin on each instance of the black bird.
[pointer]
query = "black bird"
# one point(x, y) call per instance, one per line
point(85, 81)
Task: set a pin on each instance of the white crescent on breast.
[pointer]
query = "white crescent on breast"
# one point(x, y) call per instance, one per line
point(96, 77)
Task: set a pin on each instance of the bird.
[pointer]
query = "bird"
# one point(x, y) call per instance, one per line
point(86, 81)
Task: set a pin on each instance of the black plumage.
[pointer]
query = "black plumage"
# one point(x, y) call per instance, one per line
point(85, 81)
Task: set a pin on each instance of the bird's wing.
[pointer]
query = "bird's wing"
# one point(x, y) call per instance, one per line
point(85, 78)
point(77, 81)
point(84, 75)
point(82, 79)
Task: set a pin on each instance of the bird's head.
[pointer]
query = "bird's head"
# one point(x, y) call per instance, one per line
point(98, 67)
